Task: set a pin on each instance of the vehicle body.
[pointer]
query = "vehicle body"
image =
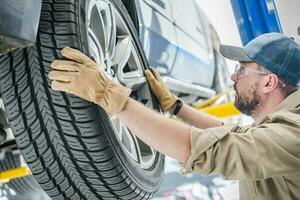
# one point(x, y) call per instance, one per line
point(63, 137)
point(19, 24)
point(183, 52)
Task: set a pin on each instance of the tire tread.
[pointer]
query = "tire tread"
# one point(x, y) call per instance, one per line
point(56, 131)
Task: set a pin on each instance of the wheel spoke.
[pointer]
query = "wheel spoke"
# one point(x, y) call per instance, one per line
point(108, 28)
point(95, 48)
point(137, 149)
point(111, 31)
point(122, 52)
point(133, 80)
point(118, 126)
point(125, 61)
point(130, 141)
point(97, 26)
point(101, 4)
point(127, 139)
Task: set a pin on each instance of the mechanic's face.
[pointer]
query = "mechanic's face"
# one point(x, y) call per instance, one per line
point(246, 84)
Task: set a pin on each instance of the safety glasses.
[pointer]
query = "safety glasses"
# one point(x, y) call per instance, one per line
point(241, 71)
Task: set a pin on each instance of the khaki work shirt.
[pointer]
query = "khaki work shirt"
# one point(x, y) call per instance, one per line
point(264, 157)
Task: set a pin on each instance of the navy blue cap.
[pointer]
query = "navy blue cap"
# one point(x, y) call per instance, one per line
point(274, 51)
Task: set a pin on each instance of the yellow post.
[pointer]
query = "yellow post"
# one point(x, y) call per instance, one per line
point(223, 110)
point(11, 174)
point(219, 110)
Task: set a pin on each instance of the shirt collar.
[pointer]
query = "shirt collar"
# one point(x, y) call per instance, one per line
point(289, 102)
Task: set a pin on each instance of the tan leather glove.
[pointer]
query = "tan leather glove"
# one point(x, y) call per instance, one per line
point(83, 77)
point(166, 99)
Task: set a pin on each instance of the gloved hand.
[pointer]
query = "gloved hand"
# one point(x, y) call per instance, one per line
point(166, 99)
point(82, 77)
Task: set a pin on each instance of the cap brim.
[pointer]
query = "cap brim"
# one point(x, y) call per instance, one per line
point(234, 53)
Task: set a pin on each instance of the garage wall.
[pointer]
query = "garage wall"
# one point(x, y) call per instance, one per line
point(289, 16)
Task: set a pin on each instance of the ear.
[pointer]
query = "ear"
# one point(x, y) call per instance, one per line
point(271, 82)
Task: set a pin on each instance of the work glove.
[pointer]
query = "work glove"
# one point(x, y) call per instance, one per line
point(166, 99)
point(82, 77)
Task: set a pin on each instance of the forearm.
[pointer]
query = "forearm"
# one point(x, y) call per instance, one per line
point(163, 134)
point(198, 118)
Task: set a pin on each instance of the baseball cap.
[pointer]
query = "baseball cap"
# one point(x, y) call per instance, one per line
point(274, 51)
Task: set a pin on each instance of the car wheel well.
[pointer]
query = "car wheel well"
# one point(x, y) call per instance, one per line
point(131, 9)
point(214, 38)
point(219, 84)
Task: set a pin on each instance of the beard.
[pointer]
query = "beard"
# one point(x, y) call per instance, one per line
point(247, 104)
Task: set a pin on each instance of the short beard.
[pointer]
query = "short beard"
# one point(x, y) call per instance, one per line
point(248, 106)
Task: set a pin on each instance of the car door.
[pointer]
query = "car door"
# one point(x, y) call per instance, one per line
point(157, 33)
point(194, 62)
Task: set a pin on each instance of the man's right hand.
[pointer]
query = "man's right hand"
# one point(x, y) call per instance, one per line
point(166, 99)
point(81, 76)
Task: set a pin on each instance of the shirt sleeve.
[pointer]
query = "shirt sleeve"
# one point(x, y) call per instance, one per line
point(258, 153)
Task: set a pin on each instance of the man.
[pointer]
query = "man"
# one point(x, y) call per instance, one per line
point(265, 156)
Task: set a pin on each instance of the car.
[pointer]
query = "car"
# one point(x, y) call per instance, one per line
point(72, 147)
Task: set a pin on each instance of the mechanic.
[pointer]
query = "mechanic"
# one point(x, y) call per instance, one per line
point(265, 156)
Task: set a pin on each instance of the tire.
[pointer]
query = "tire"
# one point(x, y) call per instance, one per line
point(26, 187)
point(72, 147)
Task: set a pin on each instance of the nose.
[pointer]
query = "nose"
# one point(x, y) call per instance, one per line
point(233, 77)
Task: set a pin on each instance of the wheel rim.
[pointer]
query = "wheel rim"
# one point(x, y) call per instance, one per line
point(111, 44)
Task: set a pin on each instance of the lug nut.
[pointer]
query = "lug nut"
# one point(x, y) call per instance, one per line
point(105, 65)
point(112, 71)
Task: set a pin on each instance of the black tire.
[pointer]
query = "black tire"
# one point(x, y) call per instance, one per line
point(68, 143)
point(25, 187)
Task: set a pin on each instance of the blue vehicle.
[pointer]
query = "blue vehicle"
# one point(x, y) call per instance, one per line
point(74, 150)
